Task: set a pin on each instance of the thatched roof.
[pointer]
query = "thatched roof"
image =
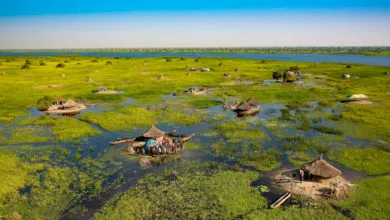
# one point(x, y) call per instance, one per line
point(153, 132)
point(321, 168)
point(357, 96)
point(70, 103)
point(252, 101)
point(60, 99)
point(244, 106)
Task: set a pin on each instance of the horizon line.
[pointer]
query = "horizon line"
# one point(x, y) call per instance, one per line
point(200, 47)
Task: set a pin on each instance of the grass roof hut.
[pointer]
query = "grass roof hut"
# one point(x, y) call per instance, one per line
point(70, 103)
point(253, 102)
point(322, 169)
point(59, 100)
point(244, 106)
point(153, 132)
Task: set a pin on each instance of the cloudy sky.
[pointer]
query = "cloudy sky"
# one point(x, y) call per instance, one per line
point(60, 24)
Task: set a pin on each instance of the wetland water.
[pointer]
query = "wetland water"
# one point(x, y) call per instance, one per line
point(316, 58)
point(291, 128)
point(131, 169)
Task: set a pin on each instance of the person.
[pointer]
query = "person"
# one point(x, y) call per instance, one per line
point(150, 143)
point(301, 174)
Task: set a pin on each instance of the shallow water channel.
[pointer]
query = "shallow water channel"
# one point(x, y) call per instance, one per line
point(131, 170)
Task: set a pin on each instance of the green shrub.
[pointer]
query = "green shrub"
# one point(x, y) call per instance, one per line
point(25, 66)
point(60, 65)
point(328, 130)
point(45, 102)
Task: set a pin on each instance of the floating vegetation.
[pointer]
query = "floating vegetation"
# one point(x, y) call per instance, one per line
point(368, 160)
point(125, 118)
point(264, 161)
point(64, 128)
point(207, 192)
point(328, 130)
point(236, 131)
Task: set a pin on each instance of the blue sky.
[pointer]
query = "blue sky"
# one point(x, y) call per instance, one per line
point(53, 7)
point(43, 24)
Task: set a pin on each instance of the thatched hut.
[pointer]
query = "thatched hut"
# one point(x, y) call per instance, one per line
point(153, 132)
point(253, 102)
point(226, 74)
point(59, 100)
point(244, 106)
point(70, 103)
point(320, 169)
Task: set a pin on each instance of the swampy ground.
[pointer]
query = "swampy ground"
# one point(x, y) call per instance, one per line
point(62, 167)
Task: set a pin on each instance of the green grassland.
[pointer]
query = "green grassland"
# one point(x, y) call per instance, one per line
point(44, 182)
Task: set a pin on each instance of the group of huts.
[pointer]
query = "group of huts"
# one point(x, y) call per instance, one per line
point(245, 108)
point(317, 179)
point(69, 107)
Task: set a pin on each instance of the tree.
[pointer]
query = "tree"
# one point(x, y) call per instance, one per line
point(42, 64)
point(28, 62)
point(276, 75)
point(60, 65)
point(108, 63)
point(25, 66)
point(294, 68)
point(44, 103)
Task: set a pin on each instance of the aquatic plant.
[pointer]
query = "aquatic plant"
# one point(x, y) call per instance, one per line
point(264, 161)
point(328, 130)
point(368, 160)
point(205, 192)
point(369, 199)
point(125, 118)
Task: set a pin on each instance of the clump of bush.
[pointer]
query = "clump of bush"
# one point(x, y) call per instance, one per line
point(60, 65)
point(108, 63)
point(95, 60)
point(117, 57)
point(348, 66)
point(294, 68)
point(44, 103)
point(328, 130)
point(28, 62)
point(42, 64)
point(276, 75)
point(25, 66)
point(66, 61)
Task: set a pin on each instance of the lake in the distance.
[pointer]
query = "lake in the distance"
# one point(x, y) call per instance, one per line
point(317, 58)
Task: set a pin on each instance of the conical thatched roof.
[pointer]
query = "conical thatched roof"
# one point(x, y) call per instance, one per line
point(357, 96)
point(60, 99)
point(244, 106)
point(321, 168)
point(153, 132)
point(70, 103)
point(252, 101)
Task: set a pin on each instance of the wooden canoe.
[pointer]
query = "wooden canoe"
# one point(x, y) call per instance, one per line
point(251, 112)
point(122, 141)
point(281, 200)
